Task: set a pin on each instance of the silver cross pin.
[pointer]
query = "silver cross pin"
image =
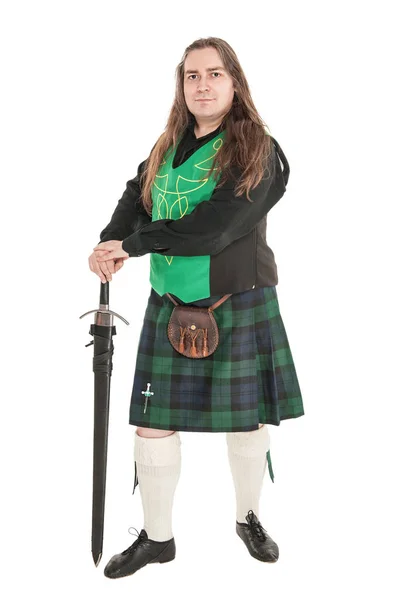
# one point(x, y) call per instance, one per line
point(147, 394)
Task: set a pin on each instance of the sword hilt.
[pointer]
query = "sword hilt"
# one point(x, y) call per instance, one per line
point(104, 293)
point(104, 315)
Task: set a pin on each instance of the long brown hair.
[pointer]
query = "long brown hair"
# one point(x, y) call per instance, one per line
point(246, 146)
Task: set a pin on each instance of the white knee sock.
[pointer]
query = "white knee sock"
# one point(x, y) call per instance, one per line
point(247, 458)
point(158, 471)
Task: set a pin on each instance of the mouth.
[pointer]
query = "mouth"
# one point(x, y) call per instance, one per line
point(204, 100)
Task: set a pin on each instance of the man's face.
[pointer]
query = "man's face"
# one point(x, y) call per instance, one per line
point(206, 77)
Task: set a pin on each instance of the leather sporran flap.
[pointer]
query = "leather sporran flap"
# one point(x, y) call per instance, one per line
point(193, 330)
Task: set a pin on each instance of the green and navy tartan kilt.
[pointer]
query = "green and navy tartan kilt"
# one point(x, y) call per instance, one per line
point(249, 379)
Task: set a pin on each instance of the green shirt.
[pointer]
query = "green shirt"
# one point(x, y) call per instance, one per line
point(175, 193)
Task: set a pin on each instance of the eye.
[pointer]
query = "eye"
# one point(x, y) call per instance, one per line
point(213, 73)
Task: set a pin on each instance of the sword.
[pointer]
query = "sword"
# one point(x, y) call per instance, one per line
point(102, 331)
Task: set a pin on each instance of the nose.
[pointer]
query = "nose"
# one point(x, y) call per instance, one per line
point(203, 86)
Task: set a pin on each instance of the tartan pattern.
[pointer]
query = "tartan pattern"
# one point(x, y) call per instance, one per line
point(249, 379)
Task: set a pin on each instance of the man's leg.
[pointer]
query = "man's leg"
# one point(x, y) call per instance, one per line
point(247, 458)
point(247, 451)
point(158, 457)
point(157, 453)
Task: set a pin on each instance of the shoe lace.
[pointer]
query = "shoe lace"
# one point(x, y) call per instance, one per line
point(136, 543)
point(257, 528)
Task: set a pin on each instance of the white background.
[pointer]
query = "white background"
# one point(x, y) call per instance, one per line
point(86, 91)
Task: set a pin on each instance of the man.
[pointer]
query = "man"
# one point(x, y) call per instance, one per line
point(214, 246)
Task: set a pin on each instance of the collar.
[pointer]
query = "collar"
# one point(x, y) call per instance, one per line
point(192, 123)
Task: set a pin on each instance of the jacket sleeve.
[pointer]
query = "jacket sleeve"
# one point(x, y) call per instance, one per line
point(129, 214)
point(210, 227)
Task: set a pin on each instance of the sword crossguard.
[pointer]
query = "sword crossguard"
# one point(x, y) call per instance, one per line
point(105, 312)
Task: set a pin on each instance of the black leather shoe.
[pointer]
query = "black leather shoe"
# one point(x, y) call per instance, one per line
point(257, 540)
point(139, 554)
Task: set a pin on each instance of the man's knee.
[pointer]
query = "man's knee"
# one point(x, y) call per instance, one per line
point(148, 432)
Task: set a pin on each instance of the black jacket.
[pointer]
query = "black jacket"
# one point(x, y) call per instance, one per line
point(227, 227)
